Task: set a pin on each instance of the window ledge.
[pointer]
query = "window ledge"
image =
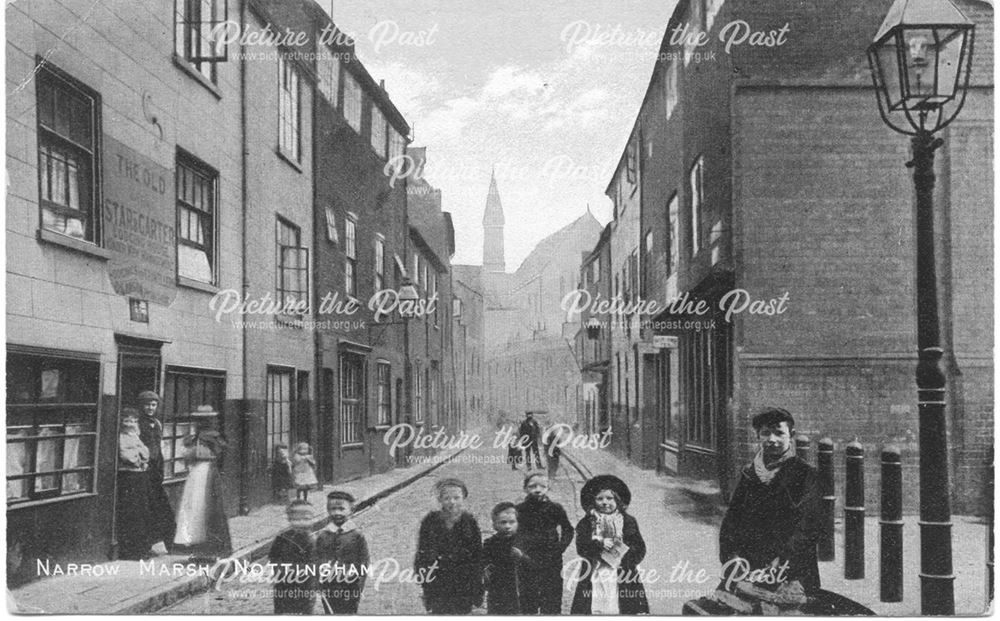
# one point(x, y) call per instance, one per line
point(72, 243)
point(294, 163)
point(49, 501)
point(191, 283)
point(382, 427)
point(194, 74)
point(353, 446)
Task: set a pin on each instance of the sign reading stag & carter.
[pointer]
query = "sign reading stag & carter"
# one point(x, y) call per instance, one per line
point(138, 224)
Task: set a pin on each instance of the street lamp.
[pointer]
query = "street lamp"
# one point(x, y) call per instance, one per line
point(920, 61)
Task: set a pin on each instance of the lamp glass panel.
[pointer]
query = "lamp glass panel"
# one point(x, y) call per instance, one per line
point(888, 68)
point(921, 55)
point(950, 44)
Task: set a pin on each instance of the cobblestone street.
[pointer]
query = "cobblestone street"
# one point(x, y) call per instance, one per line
point(391, 529)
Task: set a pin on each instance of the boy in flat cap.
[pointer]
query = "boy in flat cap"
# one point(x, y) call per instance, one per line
point(342, 548)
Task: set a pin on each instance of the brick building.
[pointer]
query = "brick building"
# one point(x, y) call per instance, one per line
point(768, 169)
point(158, 180)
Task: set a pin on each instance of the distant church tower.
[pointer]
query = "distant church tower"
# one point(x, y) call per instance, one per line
point(493, 260)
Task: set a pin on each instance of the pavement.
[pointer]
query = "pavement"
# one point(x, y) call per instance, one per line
point(137, 587)
point(680, 519)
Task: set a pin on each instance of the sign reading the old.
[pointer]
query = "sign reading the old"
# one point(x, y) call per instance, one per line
point(138, 224)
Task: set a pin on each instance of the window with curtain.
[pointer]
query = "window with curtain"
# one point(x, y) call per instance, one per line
point(384, 393)
point(67, 156)
point(52, 409)
point(331, 224)
point(674, 241)
point(196, 212)
point(352, 399)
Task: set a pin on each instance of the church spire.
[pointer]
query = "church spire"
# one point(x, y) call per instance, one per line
point(493, 221)
point(493, 215)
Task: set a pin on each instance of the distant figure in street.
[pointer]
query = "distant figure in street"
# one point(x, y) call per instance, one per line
point(161, 515)
point(553, 452)
point(609, 541)
point(132, 514)
point(303, 470)
point(531, 434)
point(294, 586)
point(774, 515)
point(281, 474)
point(342, 548)
point(507, 569)
point(546, 532)
point(513, 453)
point(450, 541)
point(202, 526)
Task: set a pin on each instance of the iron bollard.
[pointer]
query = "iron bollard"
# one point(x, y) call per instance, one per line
point(891, 568)
point(802, 447)
point(824, 462)
point(854, 512)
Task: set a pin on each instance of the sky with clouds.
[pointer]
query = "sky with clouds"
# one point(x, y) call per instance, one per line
point(545, 92)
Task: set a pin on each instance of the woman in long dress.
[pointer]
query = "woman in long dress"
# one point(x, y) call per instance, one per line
point(202, 526)
point(132, 513)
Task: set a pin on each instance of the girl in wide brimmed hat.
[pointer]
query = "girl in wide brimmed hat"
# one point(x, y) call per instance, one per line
point(609, 540)
point(202, 525)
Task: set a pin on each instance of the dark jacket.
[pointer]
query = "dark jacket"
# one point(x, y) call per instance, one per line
point(346, 552)
point(508, 578)
point(545, 530)
point(531, 430)
point(778, 520)
point(631, 593)
point(458, 580)
point(151, 434)
point(294, 586)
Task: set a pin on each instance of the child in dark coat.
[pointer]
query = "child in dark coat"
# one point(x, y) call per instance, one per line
point(342, 552)
point(508, 570)
point(546, 532)
point(450, 543)
point(294, 587)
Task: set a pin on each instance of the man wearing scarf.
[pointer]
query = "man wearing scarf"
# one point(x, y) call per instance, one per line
point(774, 514)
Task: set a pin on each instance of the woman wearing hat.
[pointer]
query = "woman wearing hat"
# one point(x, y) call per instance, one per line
point(161, 524)
point(202, 526)
point(612, 547)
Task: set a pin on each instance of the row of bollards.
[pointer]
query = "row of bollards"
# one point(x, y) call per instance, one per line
point(891, 523)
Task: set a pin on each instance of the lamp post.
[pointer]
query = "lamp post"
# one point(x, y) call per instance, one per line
point(920, 61)
point(406, 297)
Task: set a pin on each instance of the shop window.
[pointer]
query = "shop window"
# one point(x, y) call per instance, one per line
point(185, 390)
point(52, 409)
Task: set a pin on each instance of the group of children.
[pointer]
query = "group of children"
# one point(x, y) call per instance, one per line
point(333, 563)
point(296, 472)
point(518, 569)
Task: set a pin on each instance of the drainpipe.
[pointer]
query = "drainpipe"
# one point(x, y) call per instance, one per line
point(244, 507)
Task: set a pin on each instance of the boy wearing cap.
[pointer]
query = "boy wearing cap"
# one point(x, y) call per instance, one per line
point(343, 550)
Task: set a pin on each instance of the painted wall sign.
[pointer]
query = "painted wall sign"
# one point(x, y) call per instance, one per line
point(139, 224)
